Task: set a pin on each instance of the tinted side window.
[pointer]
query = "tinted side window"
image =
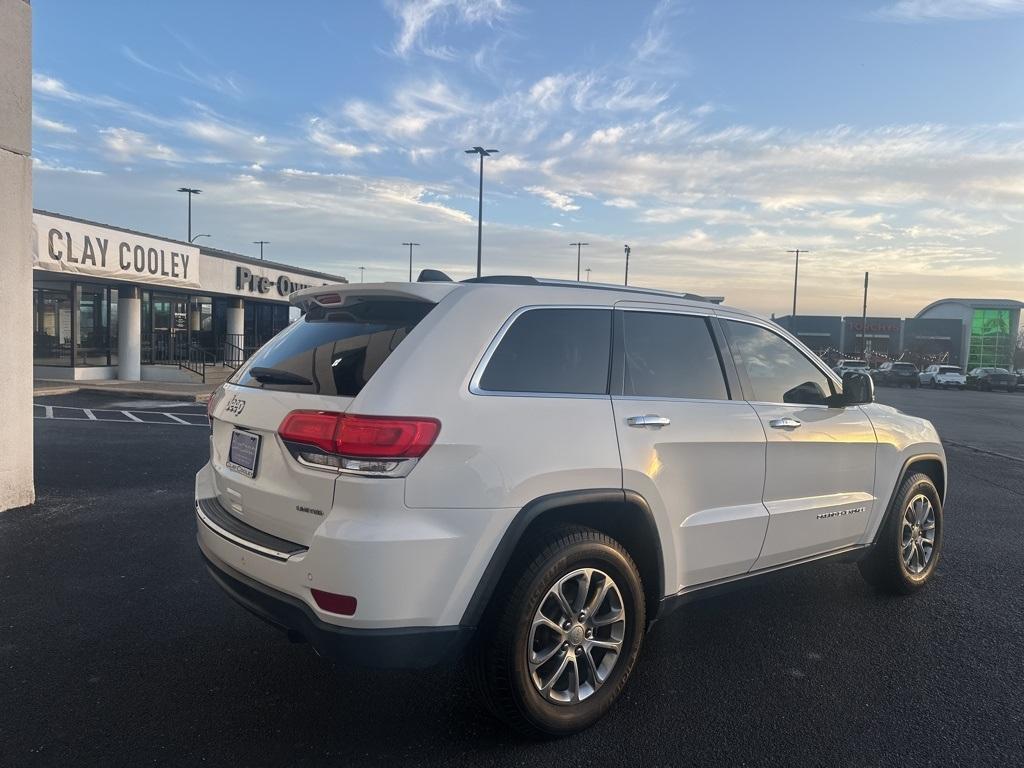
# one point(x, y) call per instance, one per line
point(334, 350)
point(558, 351)
point(777, 371)
point(668, 355)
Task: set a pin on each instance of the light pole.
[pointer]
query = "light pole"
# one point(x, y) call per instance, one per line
point(410, 258)
point(864, 322)
point(796, 273)
point(626, 281)
point(190, 192)
point(578, 247)
point(480, 211)
point(196, 237)
point(261, 243)
point(362, 271)
point(587, 270)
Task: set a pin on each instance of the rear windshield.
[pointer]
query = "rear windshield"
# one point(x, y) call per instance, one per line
point(903, 367)
point(949, 369)
point(333, 351)
point(854, 364)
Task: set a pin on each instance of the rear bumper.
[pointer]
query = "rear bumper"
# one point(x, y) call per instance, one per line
point(404, 647)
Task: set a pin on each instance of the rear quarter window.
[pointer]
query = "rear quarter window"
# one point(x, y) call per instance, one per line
point(333, 351)
point(552, 351)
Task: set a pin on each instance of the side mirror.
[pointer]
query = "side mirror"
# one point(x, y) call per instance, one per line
point(858, 388)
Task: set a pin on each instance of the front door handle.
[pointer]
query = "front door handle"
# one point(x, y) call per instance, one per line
point(650, 420)
point(786, 423)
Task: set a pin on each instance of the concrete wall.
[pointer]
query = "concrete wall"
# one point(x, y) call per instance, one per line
point(16, 484)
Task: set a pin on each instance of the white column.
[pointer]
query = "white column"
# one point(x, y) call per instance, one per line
point(194, 319)
point(16, 487)
point(129, 334)
point(235, 331)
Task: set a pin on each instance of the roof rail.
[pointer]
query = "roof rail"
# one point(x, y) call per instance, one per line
point(505, 280)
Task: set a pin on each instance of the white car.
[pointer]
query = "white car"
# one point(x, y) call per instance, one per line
point(857, 366)
point(532, 472)
point(942, 376)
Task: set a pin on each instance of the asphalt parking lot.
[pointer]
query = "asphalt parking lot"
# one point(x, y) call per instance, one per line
point(117, 649)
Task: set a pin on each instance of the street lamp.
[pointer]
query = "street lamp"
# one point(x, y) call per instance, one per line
point(480, 211)
point(796, 272)
point(587, 270)
point(196, 237)
point(578, 247)
point(410, 258)
point(261, 243)
point(626, 281)
point(362, 271)
point(190, 192)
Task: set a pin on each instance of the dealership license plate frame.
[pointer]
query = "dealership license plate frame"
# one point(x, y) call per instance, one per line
point(249, 443)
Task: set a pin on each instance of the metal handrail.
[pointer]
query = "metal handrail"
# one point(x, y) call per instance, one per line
point(196, 360)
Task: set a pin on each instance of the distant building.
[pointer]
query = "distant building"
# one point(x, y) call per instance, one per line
point(966, 332)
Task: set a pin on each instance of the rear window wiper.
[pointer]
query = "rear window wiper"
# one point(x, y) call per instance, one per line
point(277, 376)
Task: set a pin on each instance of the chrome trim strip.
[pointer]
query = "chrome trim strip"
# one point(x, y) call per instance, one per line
point(474, 382)
point(239, 540)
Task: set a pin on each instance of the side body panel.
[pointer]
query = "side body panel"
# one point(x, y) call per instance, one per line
point(901, 438)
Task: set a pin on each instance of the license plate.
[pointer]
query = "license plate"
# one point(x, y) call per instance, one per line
point(244, 452)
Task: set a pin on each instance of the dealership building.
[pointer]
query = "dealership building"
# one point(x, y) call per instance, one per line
point(968, 332)
point(109, 302)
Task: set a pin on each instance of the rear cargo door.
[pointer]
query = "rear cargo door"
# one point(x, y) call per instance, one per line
point(320, 362)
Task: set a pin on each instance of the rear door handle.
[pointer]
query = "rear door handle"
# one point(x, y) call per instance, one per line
point(650, 420)
point(786, 423)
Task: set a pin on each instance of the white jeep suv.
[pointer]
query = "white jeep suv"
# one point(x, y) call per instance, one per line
point(532, 472)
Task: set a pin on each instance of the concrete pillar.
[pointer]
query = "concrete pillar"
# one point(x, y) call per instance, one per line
point(195, 319)
point(235, 331)
point(129, 334)
point(16, 485)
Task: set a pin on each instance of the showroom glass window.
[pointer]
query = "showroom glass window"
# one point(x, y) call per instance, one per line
point(93, 326)
point(51, 326)
point(991, 340)
point(776, 371)
point(668, 355)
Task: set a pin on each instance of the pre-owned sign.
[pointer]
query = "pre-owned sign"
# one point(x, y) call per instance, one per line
point(62, 245)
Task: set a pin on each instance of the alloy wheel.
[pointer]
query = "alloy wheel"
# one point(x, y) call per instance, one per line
point(917, 534)
point(576, 637)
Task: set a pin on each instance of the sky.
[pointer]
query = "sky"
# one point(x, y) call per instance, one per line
point(711, 136)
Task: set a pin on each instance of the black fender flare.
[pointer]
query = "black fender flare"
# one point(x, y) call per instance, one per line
point(535, 509)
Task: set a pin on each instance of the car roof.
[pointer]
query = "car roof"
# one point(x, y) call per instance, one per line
point(533, 290)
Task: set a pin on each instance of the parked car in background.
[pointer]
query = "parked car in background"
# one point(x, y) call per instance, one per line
point(987, 379)
point(897, 375)
point(860, 366)
point(936, 376)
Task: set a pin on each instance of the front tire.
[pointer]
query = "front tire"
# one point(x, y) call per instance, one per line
point(909, 543)
point(562, 641)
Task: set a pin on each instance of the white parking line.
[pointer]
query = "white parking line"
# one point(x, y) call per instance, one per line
point(89, 415)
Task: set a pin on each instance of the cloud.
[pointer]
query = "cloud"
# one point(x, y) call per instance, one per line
point(126, 145)
point(417, 17)
point(932, 10)
point(556, 200)
point(620, 202)
point(51, 86)
point(51, 125)
point(226, 85)
point(320, 133)
point(39, 164)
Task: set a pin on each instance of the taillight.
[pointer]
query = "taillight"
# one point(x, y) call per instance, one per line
point(345, 605)
point(366, 444)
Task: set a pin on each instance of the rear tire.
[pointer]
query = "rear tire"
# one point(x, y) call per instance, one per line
point(569, 567)
point(909, 543)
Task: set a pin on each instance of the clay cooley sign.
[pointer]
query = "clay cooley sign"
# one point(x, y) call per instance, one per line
point(71, 247)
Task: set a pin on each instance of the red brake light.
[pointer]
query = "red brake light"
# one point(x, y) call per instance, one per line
point(374, 437)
